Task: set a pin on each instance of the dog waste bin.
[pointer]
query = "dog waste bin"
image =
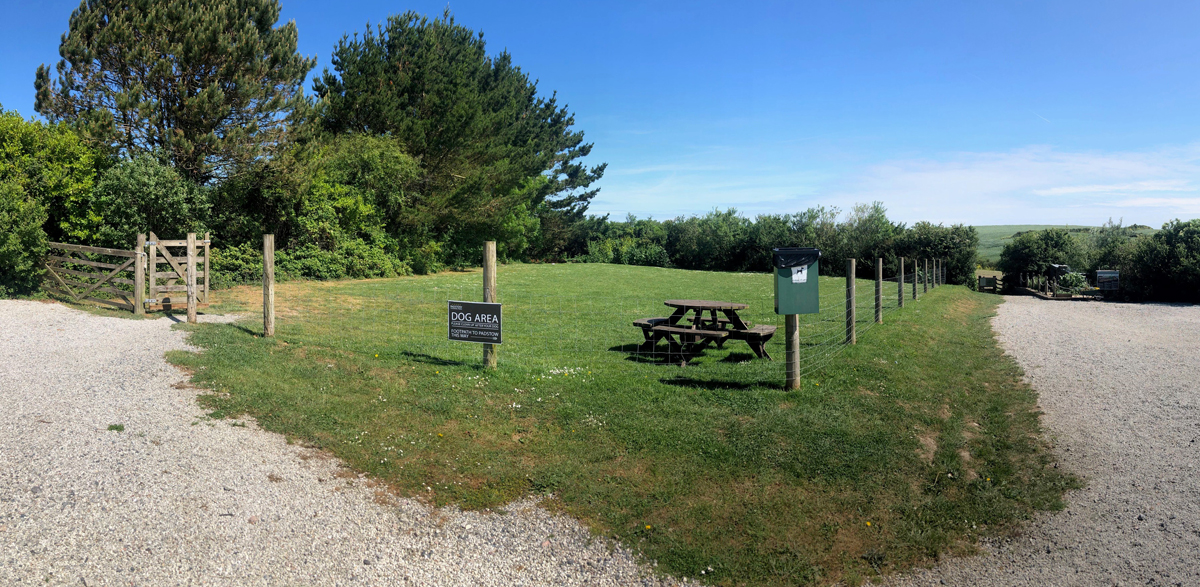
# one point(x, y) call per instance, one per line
point(796, 283)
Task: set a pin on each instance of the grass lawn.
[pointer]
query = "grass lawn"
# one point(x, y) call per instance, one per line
point(906, 445)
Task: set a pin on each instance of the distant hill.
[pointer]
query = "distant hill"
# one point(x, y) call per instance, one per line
point(993, 238)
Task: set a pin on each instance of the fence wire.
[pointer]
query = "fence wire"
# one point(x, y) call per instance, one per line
point(581, 327)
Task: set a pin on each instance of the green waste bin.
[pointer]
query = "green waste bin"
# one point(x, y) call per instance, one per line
point(796, 283)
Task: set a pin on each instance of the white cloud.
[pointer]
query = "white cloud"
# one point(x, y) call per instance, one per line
point(1035, 185)
point(1032, 185)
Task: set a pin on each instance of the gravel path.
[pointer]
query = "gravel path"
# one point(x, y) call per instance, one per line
point(176, 499)
point(1120, 387)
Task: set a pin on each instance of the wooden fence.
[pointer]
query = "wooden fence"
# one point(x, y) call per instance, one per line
point(80, 273)
point(174, 278)
point(84, 273)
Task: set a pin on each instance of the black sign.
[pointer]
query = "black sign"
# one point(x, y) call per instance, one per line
point(474, 321)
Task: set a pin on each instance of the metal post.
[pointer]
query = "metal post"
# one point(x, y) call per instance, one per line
point(850, 335)
point(191, 278)
point(791, 328)
point(268, 285)
point(879, 291)
point(900, 282)
point(139, 277)
point(489, 295)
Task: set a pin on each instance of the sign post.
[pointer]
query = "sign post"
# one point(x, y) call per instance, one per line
point(479, 321)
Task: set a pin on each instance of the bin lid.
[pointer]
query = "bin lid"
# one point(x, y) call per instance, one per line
point(785, 257)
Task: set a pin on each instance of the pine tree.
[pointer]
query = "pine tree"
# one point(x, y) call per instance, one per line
point(209, 83)
point(485, 140)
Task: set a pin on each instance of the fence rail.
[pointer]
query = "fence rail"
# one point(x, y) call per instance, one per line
point(79, 271)
point(74, 271)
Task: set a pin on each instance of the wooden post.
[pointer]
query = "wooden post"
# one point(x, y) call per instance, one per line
point(850, 335)
point(900, 282)
point(139, 277)
point(916, 276)
point(925, 278)
point(152, 266)
point(207, 265)
point(489, 295)
point(791, 329)
point(191, 278)
point(879, 291)
point(268, 285)
point(935, 273)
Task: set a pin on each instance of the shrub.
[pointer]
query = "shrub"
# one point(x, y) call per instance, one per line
point(233, 265)
point(22, 240)
point(143, 195)
point(1034, 252)
point(1073, 282)
point(55, 169)
point(427, 259)
point(1166, 265)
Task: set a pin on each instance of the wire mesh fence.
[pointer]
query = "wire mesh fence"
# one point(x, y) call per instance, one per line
point(569, 319)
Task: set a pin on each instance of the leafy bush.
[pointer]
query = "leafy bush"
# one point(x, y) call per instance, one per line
point(54, 168)
point(1166, 265)
point(22, 240)
point(236, 264)
point(1035, 251)
point(1073, 282)
point(143, 195)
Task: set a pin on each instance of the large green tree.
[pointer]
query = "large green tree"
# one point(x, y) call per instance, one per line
point(209, 82)
point(475, 123)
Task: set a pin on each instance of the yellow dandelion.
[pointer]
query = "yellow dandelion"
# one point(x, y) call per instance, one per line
point(376, 355)
point(647, 526)
point(868, 523)
point(440, 435)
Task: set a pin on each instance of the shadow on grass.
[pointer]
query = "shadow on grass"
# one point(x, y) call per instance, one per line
point(680, 381)
point(430, 359)
point(658, 356)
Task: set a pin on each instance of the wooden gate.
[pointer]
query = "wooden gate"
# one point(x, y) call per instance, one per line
point(77, 272)
point(174, 277)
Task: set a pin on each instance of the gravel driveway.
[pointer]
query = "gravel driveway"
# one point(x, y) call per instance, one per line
point(1120, 387)
point(176, 499)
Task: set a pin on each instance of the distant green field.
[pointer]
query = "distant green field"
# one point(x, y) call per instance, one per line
point(993, 238)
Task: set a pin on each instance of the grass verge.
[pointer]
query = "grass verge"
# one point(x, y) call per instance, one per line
point(909, 444)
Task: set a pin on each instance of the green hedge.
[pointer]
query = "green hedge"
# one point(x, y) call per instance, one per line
point(22, 240)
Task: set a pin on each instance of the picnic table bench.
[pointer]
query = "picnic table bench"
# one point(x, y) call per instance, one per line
point(703, 329)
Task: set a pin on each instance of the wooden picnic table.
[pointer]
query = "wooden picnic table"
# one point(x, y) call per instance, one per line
point(698, 331)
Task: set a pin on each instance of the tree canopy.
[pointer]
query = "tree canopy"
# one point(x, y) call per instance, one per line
point(210, 83)
point(475, 124)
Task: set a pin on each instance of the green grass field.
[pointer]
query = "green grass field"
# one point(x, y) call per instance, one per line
point(906, 445)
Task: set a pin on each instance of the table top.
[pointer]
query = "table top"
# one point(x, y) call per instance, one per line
point(705, 305)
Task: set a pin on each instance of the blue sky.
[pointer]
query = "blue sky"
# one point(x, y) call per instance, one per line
point(982, 113)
